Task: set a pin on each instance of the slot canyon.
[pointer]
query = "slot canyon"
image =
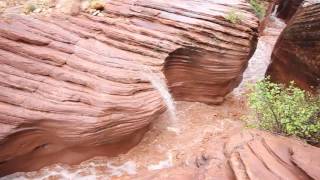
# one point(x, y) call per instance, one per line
point(151, 89)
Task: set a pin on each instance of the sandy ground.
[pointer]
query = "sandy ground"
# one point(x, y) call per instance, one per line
point(43, 7)
point(47, 7)
point(173, 142)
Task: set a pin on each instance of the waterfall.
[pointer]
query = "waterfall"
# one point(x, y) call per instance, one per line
point(161, 86)
point(274, 13)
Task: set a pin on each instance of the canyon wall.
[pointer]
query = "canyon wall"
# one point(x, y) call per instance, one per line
point(74, 87)
point(296, 53)
point(287, 8)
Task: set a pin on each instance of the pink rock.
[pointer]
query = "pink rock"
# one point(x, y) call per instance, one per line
point(74, 87)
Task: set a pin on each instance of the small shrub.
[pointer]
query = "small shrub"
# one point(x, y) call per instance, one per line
point(258, 8)
point(233, 17)
point(29, 7)
point(97, 4)
point(289, 111)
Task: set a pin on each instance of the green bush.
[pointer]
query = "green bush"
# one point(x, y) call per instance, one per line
point(289, 111)
point(233, 17)
point(258, 8)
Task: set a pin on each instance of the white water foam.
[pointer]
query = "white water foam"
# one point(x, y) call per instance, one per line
point(128, 168)
point(161, 86)
point(87, 172)
point(162, 164)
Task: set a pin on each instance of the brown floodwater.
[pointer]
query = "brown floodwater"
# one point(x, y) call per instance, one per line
point(174, 142)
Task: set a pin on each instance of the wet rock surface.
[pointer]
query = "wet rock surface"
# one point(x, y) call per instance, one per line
point(74, 87)
point(202, 142)
point(178, 148)
point(249, 155)
point(296, 54)
point(287, 8)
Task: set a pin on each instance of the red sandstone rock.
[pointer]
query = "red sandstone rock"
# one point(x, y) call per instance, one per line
point(76, 87)
point(208, 74)
point(296, 53)
point(287, 8)
point(71, 7)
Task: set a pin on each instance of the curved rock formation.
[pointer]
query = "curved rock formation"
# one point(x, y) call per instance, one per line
point(209, 74)
point(296, 53)
point(249, 155)
point(259, 155)
point(77, 87)
point(65, 89)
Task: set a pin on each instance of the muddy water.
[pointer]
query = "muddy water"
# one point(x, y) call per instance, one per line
point(162, 147)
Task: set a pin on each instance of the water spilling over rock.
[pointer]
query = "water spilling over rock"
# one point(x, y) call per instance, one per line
point(160, 85)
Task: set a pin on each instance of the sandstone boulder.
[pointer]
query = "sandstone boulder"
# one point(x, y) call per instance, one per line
point(71, 7)
point(73, 87)
point(296, 53)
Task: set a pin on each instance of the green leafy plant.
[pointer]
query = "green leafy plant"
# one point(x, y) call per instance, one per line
point(233, 17)
point(285, 110)
point(258, 8)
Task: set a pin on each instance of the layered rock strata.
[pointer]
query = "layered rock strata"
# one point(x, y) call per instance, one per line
point(296, 53)
point(74, 87)
point(207, 75)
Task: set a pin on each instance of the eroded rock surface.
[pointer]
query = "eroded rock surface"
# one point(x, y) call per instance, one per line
point(250, 154)
point(76, 87)
point(287, 8)
point(209, 74)
point(296, 54)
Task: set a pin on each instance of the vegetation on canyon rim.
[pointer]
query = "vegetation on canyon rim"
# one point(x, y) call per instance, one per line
point(285, 110)
point(233, 17)
point(258, 8)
